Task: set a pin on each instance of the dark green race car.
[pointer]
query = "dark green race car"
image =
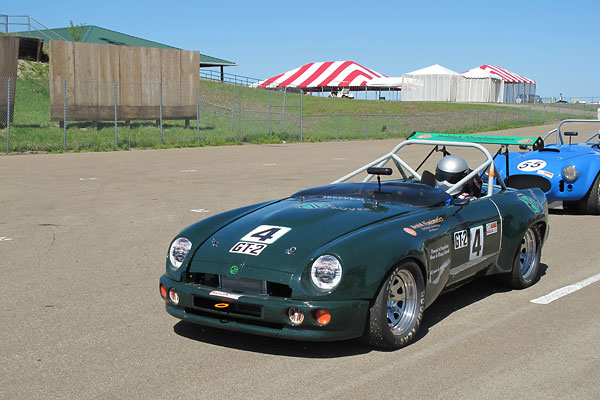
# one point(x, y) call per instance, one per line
point(354, 259)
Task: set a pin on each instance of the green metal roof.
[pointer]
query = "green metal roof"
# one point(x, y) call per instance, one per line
point(96, 34)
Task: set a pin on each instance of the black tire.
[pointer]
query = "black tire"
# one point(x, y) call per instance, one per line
point(396, 313)
point(590, 204)
point(526, 264)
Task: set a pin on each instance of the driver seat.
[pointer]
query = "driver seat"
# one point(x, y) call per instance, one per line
point(428, 178)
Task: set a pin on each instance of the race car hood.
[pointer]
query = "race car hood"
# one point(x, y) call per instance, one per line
point(286, 235)
point(551, 155)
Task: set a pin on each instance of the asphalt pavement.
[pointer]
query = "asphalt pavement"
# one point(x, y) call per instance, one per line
point(83, 240)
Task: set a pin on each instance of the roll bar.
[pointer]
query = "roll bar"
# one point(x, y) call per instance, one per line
point(392, 155)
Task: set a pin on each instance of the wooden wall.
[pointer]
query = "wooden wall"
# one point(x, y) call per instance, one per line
point(91, 71)
point(9, 55)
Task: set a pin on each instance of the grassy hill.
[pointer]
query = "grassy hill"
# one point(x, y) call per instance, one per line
point(265, 117)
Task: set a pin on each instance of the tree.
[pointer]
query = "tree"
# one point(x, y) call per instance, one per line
point(77, 31)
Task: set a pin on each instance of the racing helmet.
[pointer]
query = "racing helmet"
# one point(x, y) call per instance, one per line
point(449, 171)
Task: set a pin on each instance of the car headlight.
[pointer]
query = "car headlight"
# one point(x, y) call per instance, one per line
point(326, 272)
point(179, 250)
point(570, 173)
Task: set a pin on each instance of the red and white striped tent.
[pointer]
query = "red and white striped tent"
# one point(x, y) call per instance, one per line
point(323, 76)
point(506, 75)
point(515, 88)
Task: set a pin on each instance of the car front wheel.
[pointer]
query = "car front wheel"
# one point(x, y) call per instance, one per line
point(590, 204)
point(396, 313)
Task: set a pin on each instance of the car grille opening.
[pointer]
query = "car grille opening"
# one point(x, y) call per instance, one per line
point(243, 285)
point(232, 318)
point(251, 310)
point(528, 181)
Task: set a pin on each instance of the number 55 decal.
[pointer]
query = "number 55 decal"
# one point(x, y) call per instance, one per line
point(266, 234)
point(476, 242)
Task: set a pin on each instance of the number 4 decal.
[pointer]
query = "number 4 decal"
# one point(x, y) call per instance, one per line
point(266, 234)
point(476, 242)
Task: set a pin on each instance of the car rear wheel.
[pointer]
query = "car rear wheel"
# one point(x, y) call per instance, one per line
point(396, 313)
point(526, 265)
point(590, 204)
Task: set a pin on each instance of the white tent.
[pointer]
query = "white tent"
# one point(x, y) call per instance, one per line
point(433, 83)
point(478, 85)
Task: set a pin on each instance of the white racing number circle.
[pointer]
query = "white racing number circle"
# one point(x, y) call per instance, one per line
point(531, 165)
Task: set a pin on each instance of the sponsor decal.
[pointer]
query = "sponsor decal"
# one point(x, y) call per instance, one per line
point(525, 141)
point(491, 228)
point(249, 248)
point(428, 225)
point(439, 252)
point(234, 269)
point(313, 206)
point(266, 234)
point(423, 136)
point(547, 174)
point(460, 239)
point(531, 165)
point(218, 293)
point(221, 305)
point(410, 231)
point(531, 203)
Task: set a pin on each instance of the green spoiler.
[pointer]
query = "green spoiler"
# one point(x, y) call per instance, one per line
point(536, 142)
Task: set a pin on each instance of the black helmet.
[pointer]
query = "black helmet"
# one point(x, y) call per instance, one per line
point(449, 171)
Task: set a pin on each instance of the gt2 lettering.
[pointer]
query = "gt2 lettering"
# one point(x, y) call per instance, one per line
point(460, 239)
point(252, 249)
point(476, 242)
point(266, 234)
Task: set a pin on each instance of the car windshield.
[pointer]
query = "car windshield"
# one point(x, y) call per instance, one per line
point(392, 192)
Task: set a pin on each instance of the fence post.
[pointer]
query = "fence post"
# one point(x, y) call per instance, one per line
point(478, 119)
point(161, 112)
point(116, 131)
point(8, 119)
point(240, 115)
point(301, 121)
point(460, 121)
point(393, 124)
point(529, 115)
point(283, 109)
point(367, 126)
point(440, 123)
point(232, 117)
point(416, 122)
point(65, 114)
point(198, 114)
point(270, 127)
point(338, 126)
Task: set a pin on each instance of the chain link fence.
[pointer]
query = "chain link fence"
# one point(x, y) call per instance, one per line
point(31, 121)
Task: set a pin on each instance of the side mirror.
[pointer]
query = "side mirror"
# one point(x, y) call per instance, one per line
point(570, 135)
point(462, 202)
point(379, 171)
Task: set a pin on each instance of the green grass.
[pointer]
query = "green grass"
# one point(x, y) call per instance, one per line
point(263, 119)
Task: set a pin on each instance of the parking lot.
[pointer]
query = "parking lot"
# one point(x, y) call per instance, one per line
point(83, 239)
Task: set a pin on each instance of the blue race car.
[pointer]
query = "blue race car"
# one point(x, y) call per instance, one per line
point(568, 173)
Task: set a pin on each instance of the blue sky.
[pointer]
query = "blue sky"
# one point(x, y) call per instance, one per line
point(555, 43)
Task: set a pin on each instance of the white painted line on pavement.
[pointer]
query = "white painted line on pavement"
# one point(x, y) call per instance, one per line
point(558, 293)
point(200, 210)
point(4, 238)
